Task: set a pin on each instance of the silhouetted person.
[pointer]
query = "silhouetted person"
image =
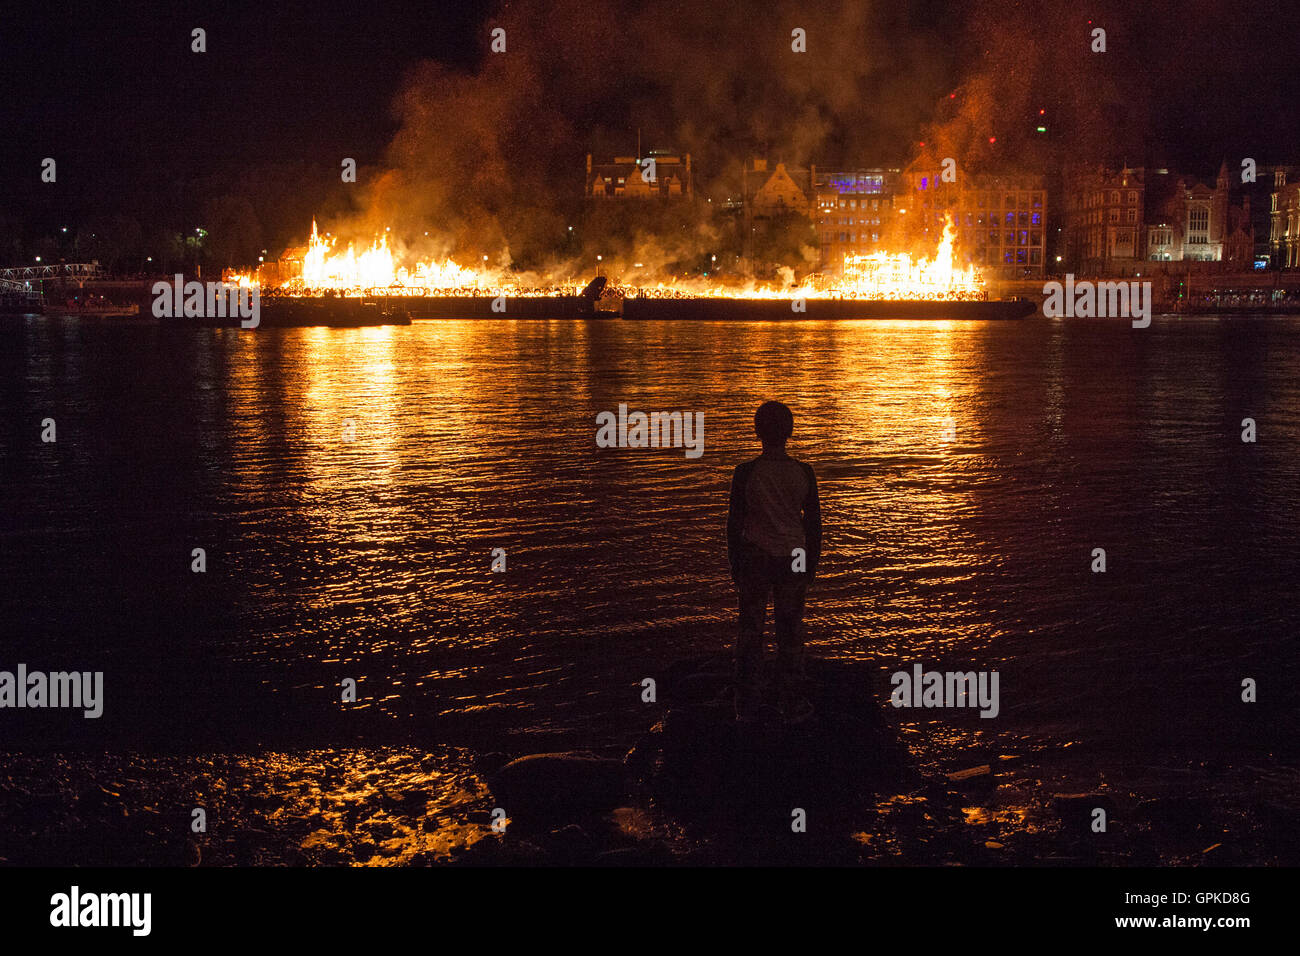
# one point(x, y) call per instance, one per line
point(774, 511)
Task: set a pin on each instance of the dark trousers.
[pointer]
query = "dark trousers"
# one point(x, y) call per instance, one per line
point(762, 576)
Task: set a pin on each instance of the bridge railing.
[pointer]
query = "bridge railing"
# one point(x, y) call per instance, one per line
point(52, 271)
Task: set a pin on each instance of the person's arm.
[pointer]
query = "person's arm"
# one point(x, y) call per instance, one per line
point(812, 523)
point(736, 519)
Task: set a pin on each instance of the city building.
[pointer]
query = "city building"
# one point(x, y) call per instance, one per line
point(1260, 193)
point(778, 193)
point(1119, 221)
point(853, 213)
point(1284, 221)
point(1197, 222)
point(849, 210)
point(1105, 222)
point(776, 222)
point(661, 174)
point(1000, 219)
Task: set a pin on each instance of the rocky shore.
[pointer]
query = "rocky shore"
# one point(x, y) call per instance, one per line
point(850, 786)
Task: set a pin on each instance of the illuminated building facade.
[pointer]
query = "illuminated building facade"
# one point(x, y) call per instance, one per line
point(1119, 221)
point(661, 174)
point(1000, 219)
point(1284, 222)
point(853, 213)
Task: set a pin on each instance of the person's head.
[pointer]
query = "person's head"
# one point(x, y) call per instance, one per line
point(773, 423)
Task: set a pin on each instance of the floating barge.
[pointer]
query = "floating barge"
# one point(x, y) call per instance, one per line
point(509, 307)
point(331, 311)
point(706, 309)
point(335, 311)
point(282, 311)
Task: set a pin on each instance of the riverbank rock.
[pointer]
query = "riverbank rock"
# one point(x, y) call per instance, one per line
point(558, 786)
point(753, 783)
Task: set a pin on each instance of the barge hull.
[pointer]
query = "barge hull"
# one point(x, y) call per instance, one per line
point(782, 310)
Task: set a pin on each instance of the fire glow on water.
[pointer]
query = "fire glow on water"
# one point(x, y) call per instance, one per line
point(353, 271)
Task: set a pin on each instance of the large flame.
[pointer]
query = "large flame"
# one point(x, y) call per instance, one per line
point(885, 276)
point(881, 275)
point(356, 271)
point(375, 269)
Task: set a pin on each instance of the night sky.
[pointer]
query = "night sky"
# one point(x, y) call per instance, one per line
point(142, 126)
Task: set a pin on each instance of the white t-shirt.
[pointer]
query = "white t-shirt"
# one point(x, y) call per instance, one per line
point(774, 498)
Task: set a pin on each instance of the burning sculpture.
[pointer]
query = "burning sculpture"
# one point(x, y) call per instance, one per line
point(376, 270)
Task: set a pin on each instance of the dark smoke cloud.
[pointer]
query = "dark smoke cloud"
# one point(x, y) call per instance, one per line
point(492, 161)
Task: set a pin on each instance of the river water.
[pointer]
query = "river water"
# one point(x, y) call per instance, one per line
point(348, 489)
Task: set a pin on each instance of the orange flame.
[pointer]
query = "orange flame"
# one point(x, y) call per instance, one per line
point(352, 271)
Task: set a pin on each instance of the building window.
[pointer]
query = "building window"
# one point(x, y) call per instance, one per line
point(1114, 195)
point(1132, 196)
point(1114, 214)
point(1132, 215)
point(1036, 219)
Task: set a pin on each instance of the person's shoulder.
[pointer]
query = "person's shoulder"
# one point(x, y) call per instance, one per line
point(805, 467)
